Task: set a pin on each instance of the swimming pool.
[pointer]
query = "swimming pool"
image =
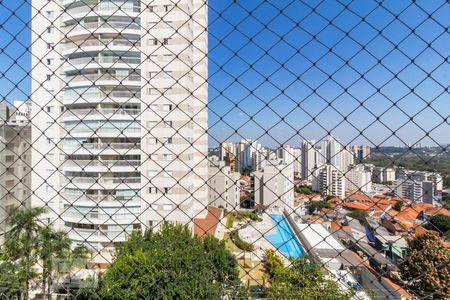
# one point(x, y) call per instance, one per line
point(284, 239)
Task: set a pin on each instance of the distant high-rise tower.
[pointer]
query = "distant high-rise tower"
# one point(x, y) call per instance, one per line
point(119, 99)
point(308, 159)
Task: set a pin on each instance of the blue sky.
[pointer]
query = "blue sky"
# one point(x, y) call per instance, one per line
point(313, 81)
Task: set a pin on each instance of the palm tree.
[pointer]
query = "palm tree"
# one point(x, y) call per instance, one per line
point(21, 242)
point(53, 245)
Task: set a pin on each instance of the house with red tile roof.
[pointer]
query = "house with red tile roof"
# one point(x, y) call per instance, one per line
point(210, 224)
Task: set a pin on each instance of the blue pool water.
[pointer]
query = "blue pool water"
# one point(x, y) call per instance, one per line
point(284, 239)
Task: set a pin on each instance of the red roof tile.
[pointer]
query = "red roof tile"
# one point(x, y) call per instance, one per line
point(208, 225)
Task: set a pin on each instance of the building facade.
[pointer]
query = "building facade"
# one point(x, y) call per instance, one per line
point(223, 185)
point(120, 107)
point(274, 185)
point(330, 181)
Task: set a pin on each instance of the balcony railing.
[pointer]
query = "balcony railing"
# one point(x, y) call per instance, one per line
point(81, 113)
point(116, 26)
point(112, 8)
point(97, 77)
point(106, 60)
point(101, 163)
point(102, 43)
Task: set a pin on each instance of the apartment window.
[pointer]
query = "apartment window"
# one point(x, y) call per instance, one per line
point(154, 57)
point(50, 13)
point(168, 91)
point(167, 57)
point(166, 41)
point(154, 206)
point(49, 77)
point(153, 91)
point(49, 141)
point(152, 141)
point(151, 24)
point(153, 156)
point(167, 190)
point(168, 74)
point(50, 29)
point(49, 109)
point(152, 42)
point(151, 124)
point(154, 107)
point(167, 107)
point(50, 45)
point(167, 7)
point(49, 188)
point(167, 140)
point(167, 156)
point(152, 74)
point(168, 124)
point(167, 173)
point(49, 61)
point(152, 173)
point(151, 8)
point(152, 190)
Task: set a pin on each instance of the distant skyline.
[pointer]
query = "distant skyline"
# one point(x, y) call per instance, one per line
point(282, 91)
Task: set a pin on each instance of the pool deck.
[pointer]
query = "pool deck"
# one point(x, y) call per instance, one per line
point(256, 233)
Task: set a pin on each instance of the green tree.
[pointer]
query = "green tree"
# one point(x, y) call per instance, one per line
point(359, 215)
point(440, 223)
point(398, 206)
point(22, 244)
point(319, 205)
point(10, 281)
point(301, 280)
point(170, 264)
point(425, 267)
point(303, 190)
point(53, 245)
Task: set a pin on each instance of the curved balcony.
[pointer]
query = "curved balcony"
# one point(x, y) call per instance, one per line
point(107, 62)
point(103, 79)
point(100, 218)
point(97, 235)
point(101, 45)
point(105, 200)
point(101, 9)
point(101, 183)
point(100, 113)
point(100, 96)
point(101, 27)
point(101, 165)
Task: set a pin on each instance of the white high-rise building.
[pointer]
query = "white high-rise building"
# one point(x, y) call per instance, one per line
point(119, 98)
point(329, 180)
point(332, 152)
point(297, 152)
point(358, 179)
point(308, 159)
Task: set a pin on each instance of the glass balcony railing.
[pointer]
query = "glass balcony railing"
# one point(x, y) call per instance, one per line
point(99, 77)
point(105, 59)
point(107, 7)
point(102, 43)
point(115, 26)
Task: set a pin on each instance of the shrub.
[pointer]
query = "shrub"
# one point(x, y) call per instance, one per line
point(243, 245)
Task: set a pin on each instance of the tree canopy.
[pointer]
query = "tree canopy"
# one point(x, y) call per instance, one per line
point(439, 223)
point(301, 280)
point(425, 267)
point(171, 264)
